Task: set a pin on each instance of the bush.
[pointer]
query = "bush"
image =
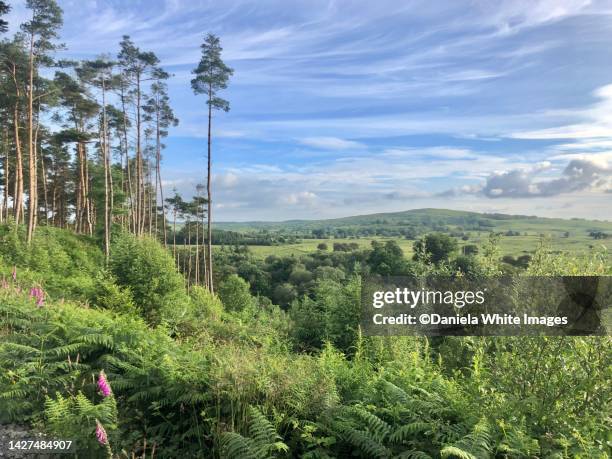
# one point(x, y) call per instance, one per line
point(68, 263)
point(147, 269)
point(235, 293)
point(109, 295)
point(435, 247)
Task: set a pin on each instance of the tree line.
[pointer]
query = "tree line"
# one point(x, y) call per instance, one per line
point(82, 141)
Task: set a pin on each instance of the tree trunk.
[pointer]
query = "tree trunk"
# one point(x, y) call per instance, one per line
point(158, 181)
point(6, 173)
point(104, 145)
point(18, 193)
point(174, 240)
point(45, 190)
point(130, 189)
point(209, 192)
point(31, 153)
point(139, 173)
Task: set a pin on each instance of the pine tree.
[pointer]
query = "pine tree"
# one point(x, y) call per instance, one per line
point(41, 31)
point(99, 73)
point(160, 114)
point(137, 67)
point(4, 8)
point(211, 76)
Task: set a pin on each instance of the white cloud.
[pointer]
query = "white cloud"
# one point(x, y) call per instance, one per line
point(595, 125)
point(306, 198)
point(330, 143)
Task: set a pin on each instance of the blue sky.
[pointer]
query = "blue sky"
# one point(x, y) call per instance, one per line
point(352, 107)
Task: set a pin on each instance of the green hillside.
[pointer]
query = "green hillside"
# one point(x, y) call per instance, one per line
point(430, 218)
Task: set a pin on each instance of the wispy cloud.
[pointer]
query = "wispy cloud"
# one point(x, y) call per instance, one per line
point(330, 143)
point(341, 107)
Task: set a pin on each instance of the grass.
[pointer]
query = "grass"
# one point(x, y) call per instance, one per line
point(532, 230)
point(509, 245)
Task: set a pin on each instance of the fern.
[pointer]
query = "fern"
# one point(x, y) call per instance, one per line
point(404, 432)
point(263, 441)
point(455, 452)
point(412, 454)
point(476, 445)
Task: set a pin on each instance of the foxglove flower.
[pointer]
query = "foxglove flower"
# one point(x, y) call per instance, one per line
point(14, 273)
point(103, 385)
point(101, 434)
point(38, 294)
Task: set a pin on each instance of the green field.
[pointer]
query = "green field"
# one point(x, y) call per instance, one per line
point(568, 235)
point(514, 245)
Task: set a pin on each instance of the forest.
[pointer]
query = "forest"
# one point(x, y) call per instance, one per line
point(126, 331)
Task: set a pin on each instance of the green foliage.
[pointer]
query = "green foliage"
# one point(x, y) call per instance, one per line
point(108, 295)
point(387, 259)
point(263, 441)
point(74, 417)
point(67, 263)
point(205, 303)
point(478, 443)
point(235, 293)
point(200, 383)
point(143, 266)
point(435, 247)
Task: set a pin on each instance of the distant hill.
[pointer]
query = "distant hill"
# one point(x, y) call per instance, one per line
point(430, 220)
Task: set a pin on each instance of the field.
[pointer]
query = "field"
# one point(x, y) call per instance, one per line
point(509, 245)
point(571, 236)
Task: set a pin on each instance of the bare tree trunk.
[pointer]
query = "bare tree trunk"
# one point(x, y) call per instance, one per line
point(189, 260)
point(158, 181)
point(6, 173)
point(35, 145)
point(197, 244)
point(174, 241)
point(152, 198)
point(139, 175)
point(88, 203)
point(130, 190)
point(104, 145)
point(18, 194)
point(204, 268)
point(45, 191)
point(209, 192)
point(31, 153)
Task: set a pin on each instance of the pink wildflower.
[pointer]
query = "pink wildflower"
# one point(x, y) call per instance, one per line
point(103, 384)
point(38, 294)
point(14, 273)
point(101, 434)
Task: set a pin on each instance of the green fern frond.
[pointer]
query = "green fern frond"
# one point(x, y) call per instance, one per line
point(404, 432)
point(235, 446)
point(412, 454)
point(477, 444)
point(454, 452)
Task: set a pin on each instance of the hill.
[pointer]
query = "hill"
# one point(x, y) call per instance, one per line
point(429, 219)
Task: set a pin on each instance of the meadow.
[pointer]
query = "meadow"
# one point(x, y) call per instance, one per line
point(519, 235)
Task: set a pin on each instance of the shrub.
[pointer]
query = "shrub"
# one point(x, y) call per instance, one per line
point(235, 294)
point(109, 295)
point(147, 269)
point(435, 247)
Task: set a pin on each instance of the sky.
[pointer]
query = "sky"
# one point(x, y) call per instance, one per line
point(344, 108)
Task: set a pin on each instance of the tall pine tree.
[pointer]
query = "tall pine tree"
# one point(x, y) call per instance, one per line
point(211, 76)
